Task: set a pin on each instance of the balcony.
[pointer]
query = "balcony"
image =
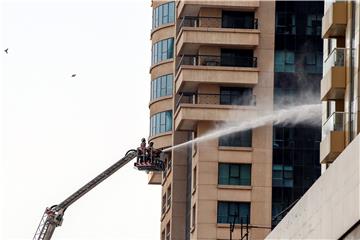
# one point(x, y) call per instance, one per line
point(333, 137)
point(194, 107)
point(334, 20)
point(154, 178)
point(194, 32)
point(193, 70)
point(192, 7)
point(333, 82)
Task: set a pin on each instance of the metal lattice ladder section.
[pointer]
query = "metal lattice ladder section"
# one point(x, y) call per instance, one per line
point(42, 228)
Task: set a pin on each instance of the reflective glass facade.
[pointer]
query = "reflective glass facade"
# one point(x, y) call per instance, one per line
point(161, 86)
point(160, 123)
point(298, 71)
point(162, 50)
point(163, 14)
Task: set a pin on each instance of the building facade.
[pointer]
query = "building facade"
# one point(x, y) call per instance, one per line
point(330, 209)
point(298, 71)
point(223, 62)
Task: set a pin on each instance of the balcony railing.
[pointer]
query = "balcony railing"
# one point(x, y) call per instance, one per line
point(163, 206)
point(213, 22)
point(167, 169)
point(336, 58)
point(336, 122)
point(218, 99)
point(213, 60)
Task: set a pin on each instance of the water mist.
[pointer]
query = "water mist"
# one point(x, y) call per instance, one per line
point(308, 114)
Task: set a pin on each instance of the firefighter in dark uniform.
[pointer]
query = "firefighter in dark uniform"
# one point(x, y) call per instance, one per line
point(141, 151)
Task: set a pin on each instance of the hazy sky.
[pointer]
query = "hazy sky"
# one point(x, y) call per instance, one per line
point(59, 132)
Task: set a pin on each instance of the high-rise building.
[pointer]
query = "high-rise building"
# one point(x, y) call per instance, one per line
point(330, 209)
point(215, 63)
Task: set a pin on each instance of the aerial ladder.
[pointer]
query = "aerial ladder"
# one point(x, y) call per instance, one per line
point(148, 159)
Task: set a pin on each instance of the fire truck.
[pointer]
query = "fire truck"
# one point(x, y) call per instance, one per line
point(147, 159)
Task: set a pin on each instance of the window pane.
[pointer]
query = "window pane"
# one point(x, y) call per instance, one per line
point(165, 13)
point(234, 174)
point(222, 212)
point(244, 209)
point(245, 174)
point(164, 49)
point(158, 88)
point(155, 53)
point(234, 170)
point(170, 47)
point(223, 173)
point(157, 130)
point(169, 85)
point(154, 89)
point(171, 12)
point(239, 139)
point(162, 122)
point(233, 212)
point(156, 17)
point(159, 51)
point(230, 211)
point(162, 86)
point(160, 14)
point(168, 120)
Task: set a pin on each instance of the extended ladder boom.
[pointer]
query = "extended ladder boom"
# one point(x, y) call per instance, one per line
point(93, 183)
point(53, 216)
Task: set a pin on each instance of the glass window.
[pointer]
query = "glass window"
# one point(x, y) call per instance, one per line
point(284, 61)
point(168, 121)
point(161, 86)
point(171, 12)
point(283, 176)
point(235, 96)
point(285, 23)
point(313, 25)
point(234, 19)
point(163, 14)
point(239, 139)
point(161, 122)
point(234, 174)
point(170, 48)
point(237, 58)
point(229, 212)
point(169, 84)
point(162, 50)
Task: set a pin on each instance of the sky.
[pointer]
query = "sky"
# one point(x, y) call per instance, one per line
point(58, 132)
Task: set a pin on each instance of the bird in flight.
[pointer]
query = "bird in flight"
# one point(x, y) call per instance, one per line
point(74, 75)
point(6, 50)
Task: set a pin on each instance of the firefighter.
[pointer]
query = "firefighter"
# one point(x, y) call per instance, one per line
point(150, 152)
point(141, 151)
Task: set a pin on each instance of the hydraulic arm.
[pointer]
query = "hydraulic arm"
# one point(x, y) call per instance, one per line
point(53, 216)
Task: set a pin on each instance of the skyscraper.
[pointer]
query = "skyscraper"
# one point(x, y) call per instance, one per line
point(223, 62)
point(330, 209)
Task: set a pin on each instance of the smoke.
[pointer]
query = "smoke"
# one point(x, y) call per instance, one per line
point(308, 114)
